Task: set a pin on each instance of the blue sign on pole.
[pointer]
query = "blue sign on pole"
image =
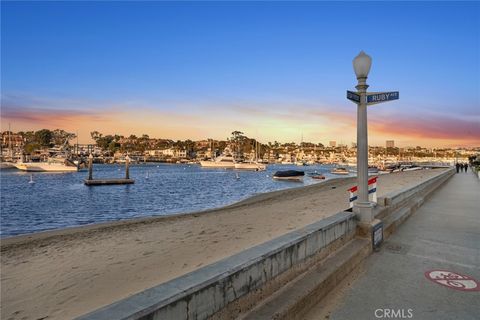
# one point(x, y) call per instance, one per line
point(379, 97)
point(355, 97)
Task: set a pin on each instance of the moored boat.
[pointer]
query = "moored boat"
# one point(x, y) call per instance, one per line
point(7, 165)
point(317, 176)
point(255, 166)
point(340, 171)
point(45, 167)
point(410, 168)
point(223, 161)
point(372, 170)
point(293, 175)
point(254, 163)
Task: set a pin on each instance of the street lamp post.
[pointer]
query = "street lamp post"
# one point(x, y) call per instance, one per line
point(361, 66)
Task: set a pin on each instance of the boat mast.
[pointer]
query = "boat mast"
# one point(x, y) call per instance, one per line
point(10, 151)
point(212, 155)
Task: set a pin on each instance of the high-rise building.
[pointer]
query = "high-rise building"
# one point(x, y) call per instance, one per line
point(333, 144)
point(390, 144)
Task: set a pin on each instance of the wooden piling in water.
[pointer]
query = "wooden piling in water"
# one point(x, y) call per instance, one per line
point(90, 167)
point(127, 170)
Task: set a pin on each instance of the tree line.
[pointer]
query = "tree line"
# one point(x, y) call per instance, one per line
point(44, 138)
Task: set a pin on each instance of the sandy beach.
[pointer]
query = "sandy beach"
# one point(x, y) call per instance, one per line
point(66, 273)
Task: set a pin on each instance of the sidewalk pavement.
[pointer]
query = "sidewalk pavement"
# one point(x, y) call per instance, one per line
point(444, 234)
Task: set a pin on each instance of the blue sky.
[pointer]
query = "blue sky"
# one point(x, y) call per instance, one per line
point(276, 69)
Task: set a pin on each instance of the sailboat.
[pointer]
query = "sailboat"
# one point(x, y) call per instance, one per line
point(9, 164)
point(253, 164)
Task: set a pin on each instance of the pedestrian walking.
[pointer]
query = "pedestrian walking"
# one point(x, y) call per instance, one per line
point(458, 166)
point(465, 166)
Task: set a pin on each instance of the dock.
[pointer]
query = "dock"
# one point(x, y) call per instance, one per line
point(107, 181)
point(103, 182)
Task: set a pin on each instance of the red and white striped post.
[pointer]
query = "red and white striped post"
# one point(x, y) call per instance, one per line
point(372, 191)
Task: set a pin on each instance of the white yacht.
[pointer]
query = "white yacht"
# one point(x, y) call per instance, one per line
point(7, 165)
point(52, 165)
point(223, 161)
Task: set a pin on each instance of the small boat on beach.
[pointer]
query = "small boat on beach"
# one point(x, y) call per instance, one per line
point(340, 171)
point(293, 175)
point(372, 170)
point(317, 176)
point(410, 168)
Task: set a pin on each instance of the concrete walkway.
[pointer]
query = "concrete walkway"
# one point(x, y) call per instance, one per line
point(443, 234)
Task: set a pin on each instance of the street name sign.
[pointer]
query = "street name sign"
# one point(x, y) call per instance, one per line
point(353, 96)
point(379, 97)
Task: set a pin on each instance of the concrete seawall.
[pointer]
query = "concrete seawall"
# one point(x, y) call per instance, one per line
point(241, 278)
point(235, 284)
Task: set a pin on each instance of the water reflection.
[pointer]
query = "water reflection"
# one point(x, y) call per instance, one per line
point(58, 200)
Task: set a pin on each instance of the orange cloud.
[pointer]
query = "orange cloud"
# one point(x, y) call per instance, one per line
point(265, 121)
point(50, 117)
point(439, 129)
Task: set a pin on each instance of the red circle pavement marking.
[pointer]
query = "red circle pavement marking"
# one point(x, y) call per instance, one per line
point(453, 280)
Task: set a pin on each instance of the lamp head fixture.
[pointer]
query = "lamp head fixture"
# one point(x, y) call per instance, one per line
point(362, 64)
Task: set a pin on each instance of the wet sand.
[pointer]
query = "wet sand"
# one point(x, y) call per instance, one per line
point(66, 273)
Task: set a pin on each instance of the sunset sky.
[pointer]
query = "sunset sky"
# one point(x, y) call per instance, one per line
point(274, 70)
